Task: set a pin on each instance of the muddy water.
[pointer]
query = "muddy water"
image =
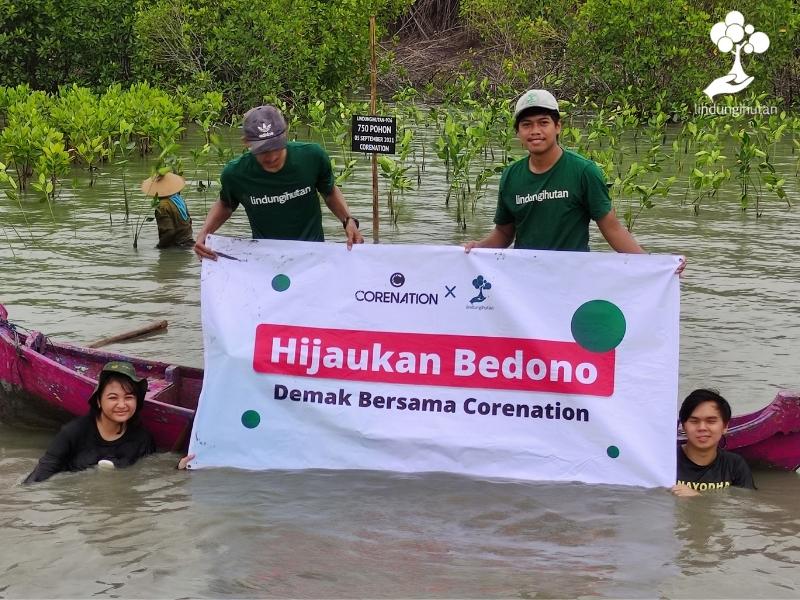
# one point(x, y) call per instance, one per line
point(155, 532)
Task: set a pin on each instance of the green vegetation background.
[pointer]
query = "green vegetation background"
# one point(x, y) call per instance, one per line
point(300, 49)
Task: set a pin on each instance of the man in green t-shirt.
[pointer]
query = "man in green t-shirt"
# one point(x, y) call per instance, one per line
point(547, 199)
point(277, 182)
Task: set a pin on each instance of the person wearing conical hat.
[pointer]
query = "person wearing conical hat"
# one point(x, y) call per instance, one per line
point(172, 215)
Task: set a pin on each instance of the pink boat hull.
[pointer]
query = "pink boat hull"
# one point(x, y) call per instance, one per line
point(43, 383)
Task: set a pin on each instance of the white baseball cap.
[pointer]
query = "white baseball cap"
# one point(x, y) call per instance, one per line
point(535, 99)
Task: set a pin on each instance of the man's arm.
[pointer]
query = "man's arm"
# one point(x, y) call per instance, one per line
point(621, 240)
point(617, 236)
point(219, 213)
point(500, 237)
point(335, 202)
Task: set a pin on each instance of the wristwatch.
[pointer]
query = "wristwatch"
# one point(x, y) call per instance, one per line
point(344, 223)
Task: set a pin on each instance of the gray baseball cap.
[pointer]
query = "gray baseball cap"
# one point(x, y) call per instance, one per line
point(535, 99)
point(264, 129)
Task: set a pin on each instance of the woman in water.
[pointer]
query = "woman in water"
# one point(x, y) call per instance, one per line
point(110, 435)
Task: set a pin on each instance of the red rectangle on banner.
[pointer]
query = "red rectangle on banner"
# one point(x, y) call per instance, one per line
point(463, 361)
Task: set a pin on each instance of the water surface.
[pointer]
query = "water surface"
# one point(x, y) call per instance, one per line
point(154, 532)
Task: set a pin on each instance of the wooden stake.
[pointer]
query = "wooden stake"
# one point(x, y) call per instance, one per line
point(373, 101)
point(155, 326)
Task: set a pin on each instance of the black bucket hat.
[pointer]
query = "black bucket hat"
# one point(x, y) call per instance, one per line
point(120, 367)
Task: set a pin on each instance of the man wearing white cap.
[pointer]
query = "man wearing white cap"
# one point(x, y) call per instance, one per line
point(278, 182)
point(547, 199)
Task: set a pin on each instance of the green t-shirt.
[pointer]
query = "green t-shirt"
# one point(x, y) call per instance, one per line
point(282, 205)
point(551, 211)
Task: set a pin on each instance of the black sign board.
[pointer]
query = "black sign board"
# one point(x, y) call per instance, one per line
point(374, 134)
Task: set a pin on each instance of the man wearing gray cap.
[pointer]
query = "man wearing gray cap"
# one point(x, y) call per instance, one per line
point(277, 182)
point(547, 199)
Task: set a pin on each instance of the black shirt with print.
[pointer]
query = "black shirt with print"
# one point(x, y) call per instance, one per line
point(79, 446)
point(727, 470)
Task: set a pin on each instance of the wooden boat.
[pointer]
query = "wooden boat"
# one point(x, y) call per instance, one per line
point(42, 381)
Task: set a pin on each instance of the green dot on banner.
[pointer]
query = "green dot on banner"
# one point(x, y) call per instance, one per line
point(251, 419)
point(598, 325)
point(281, 283)
point(612, 451)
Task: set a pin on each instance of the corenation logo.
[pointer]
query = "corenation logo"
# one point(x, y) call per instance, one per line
point(396, 280)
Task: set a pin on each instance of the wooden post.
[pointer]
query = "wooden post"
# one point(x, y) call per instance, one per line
point(373, 101)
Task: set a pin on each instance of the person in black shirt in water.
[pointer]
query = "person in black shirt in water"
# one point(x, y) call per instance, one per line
point(702, 465)
point(109, 435)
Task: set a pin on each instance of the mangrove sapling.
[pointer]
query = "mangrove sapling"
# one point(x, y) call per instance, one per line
point(772, 182)
point(774, 129)
point(604, 160)
point(618, 121)
point(395, 172)
point(205, 112)
point(20, 145)
point(168, 160)
point(482, 179)
point(200, 158)
point(92, 152)
point(747, 152)
point(144, 218)
point(317, 120)
point(53, 164)
point(630, 121)
point(505, 138)
point(638, 193)
point(597, 130)
point(686, 138)
point(12, 194)
point(657, 129)
point(340, 125)
point(343, 174)
point(46, 188)
point(224, 153)
point(123, 146)
point(458, 145)
point(709, 172)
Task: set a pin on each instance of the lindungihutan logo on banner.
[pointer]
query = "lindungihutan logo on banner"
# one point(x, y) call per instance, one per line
point(735, 36)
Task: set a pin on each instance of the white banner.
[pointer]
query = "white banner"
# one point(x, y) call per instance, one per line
point(498, 363)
